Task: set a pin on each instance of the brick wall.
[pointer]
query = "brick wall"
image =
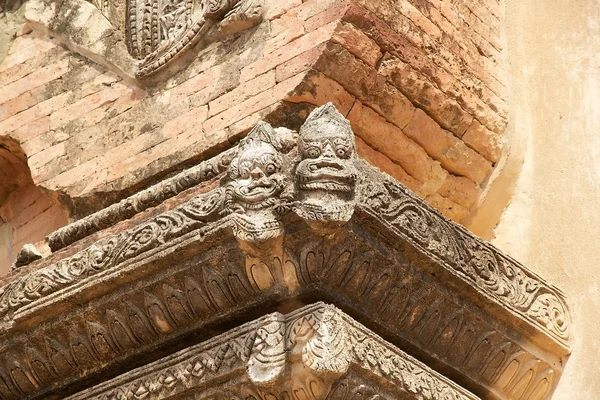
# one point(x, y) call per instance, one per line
point(420, 80)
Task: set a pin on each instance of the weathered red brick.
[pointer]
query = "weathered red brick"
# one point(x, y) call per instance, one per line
point(87, 104)
point(460, 190)
point(417, 87)
point(33, 80)
point(487, 143)
point(288, 52)
point(363, 82)
point(386, 165)
point(318, 89)
point(447, 207)
point(38, 47)
point(252, 105)
point(276, 9)
point(34, 113)
point(300, 63)
point(389, 140)
point(244, 91)
point(442, 145)
point(357, 43)
point(333, 13)
point(16, 105)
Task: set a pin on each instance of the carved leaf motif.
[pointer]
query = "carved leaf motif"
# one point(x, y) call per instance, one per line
point(478, 262)
point(110, 252)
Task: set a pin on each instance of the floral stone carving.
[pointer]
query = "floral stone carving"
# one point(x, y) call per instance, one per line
point(297, 218)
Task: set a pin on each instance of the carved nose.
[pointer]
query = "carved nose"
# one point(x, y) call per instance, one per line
point(328, 151)
point(257, 173)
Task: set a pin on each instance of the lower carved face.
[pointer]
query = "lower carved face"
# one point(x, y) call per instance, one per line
point(259, 176)
point(327, 161)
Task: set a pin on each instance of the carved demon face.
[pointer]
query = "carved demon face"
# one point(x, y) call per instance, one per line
point(259, 180)
point(327, 160)
point(326, 173)
point(256, 186)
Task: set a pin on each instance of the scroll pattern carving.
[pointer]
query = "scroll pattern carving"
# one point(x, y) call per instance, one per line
point(396, 295)
point(110, 252)
point(130, 325)
point(491, 271)
point(391, 293)
point(234, 351)
point(139, 202)
point(158, 31)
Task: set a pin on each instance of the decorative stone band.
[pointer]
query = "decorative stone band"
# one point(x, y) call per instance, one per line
point(304, 352)
point(156, 33)
point(367, 241)
point(324, 177)
point(462, 253)
point(140, 201)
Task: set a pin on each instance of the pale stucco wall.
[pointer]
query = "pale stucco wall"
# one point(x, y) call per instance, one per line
point(553, 221)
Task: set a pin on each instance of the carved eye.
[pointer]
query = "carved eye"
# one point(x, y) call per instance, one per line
point(271, 169)
point(342, 152)
point(244, 170)
point(313, 152)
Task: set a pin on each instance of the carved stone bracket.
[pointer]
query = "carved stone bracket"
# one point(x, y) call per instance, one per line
point(296, 215)
point(300, 355)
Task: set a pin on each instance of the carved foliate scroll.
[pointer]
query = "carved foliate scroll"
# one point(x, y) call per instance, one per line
point(141, 37)
point(158, 31)
point(327, 187)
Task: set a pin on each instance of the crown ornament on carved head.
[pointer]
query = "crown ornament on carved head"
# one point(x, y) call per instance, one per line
point(324, 119)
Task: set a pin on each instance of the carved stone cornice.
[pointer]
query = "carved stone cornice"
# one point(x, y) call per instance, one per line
point(299, 355)
point(296, 217)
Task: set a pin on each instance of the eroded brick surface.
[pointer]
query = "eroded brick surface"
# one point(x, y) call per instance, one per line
point(421, 81)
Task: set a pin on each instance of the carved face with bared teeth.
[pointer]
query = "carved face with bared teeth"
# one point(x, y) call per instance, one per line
point(259, 176)
point(326, 175)
point(327, 160)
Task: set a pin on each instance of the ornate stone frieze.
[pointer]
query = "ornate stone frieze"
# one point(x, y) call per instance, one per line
point(159, 31)
point(295, 217)
point(300, 355)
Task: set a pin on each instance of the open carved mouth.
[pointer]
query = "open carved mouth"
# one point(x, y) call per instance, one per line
point(326, 173)
point(257, 190)
point(326, 185)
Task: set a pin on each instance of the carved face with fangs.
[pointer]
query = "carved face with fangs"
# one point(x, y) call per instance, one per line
point(259, 167)
point(326, 173)
point(257, 183)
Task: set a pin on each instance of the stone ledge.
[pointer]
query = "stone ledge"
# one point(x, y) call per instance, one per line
point(310, 350)
point(377, 249)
